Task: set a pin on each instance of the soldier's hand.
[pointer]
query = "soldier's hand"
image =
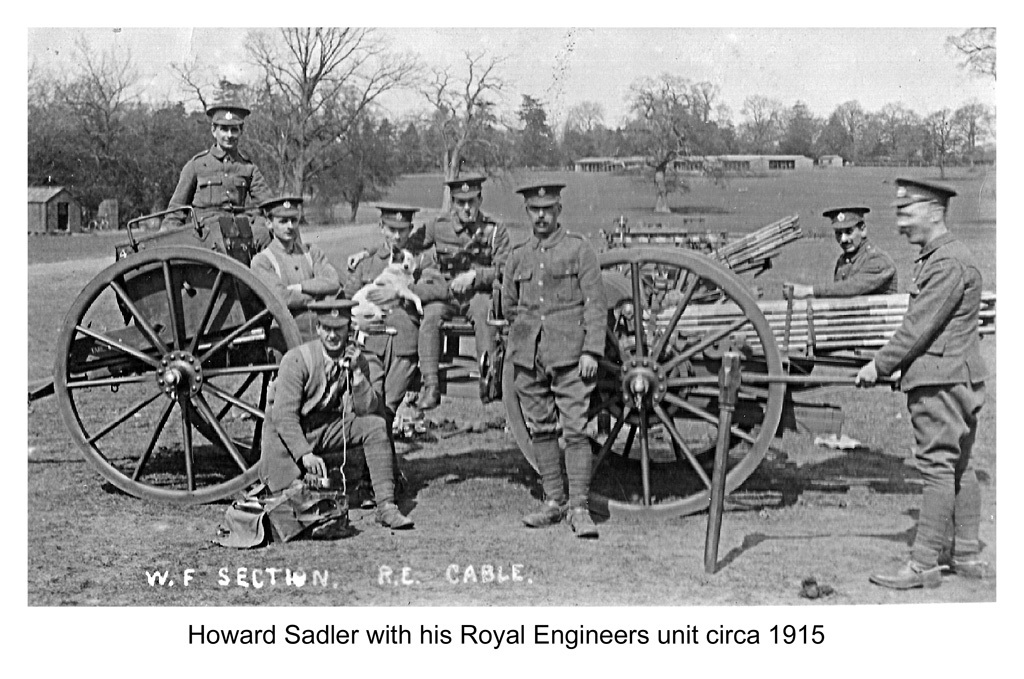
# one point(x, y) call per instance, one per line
point(382, 294)
point(463, 282)
point(588, 367)
point(295, 287)
point(354, 260)
point(802, 291)
point(867, 376)
point(314, 464)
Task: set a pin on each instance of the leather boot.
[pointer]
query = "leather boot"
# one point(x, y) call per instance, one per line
point(430, 396)
point(548, 515)
point(578, 518)
point(911, 576)
point(389, 516)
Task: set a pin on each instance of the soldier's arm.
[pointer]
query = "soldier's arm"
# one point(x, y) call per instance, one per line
point(430, 285)
point(364, 399)
point(288, 388)
point(941, 292)
point(509, 293)
point(264, 270)
point(183, 195)
point(486, 275)
point(874, 275)
point(259, 190)
point(325, 279)
point(595, 310)
point(352, 280)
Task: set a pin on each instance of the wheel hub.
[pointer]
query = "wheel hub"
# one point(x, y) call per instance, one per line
point(180, 372)
point(643, 379)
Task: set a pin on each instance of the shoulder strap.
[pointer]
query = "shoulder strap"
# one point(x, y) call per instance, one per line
point(307, 355)
point(273, 260)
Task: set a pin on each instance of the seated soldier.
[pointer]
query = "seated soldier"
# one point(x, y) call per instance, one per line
point(471, 252)
point(297, 273)
point(322, 403)
point(862, 269)
point(398, 354)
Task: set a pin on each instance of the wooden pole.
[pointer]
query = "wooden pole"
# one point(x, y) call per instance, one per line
point(728, 385)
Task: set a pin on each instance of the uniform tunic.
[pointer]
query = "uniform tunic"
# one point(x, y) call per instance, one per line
point(482, 246)
point(302, 264)
point(314, 410)
point(217, 182)
point(938, 352)
point(553, 297)
point(868, 271)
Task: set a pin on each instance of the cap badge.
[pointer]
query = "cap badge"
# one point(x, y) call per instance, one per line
point(228, 115)
point(465, 187)
point(286, 205)
point(901, 192)
point(540, 192)
point(841, 217)
point(335, 313)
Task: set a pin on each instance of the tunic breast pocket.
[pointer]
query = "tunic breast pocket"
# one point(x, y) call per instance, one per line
point(523, 278)
point(209, 189)
point(566, 281)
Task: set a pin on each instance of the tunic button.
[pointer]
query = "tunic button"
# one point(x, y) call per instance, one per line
point(542, 299)
point(540, 283)
point(542, 266)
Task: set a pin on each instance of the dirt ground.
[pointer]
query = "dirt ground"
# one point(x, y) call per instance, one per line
point(808, 512)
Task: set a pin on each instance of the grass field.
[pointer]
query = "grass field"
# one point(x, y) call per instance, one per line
point(840, 514)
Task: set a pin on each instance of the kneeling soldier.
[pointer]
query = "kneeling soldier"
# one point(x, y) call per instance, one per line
point(554, 299)
point(322, 402)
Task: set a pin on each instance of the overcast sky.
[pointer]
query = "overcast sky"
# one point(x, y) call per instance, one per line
point(562, 67)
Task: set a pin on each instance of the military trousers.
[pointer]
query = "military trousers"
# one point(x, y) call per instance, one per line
point(391, 377)
point(945, 420)
point(351, 441)
point(475, 308)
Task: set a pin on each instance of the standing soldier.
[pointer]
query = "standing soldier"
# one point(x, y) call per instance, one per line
point(399, 355)
point(862, 269)
point(322, 403)
point(936, 349)
point(217, 181)
point(554, 299)
point(297, 273)
point(471, 252)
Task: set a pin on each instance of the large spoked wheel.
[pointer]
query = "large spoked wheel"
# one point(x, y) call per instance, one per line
point(672, 314)
point(162, 372)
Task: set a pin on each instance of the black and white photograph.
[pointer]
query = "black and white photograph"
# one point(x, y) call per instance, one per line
point(366, 318)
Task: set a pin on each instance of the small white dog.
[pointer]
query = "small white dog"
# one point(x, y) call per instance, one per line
point(397, 275)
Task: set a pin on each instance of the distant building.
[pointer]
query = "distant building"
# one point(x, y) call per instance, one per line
point(52, 209)
point(729, 163)
point(830, 161)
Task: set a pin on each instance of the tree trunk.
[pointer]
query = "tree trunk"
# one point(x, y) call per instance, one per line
point(661, 201)
point(355, 209)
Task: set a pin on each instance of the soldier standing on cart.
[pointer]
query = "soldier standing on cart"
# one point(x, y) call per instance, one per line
point(471, 252)
point(298, 273)
point(216, 182)
point(862, 269)
point(936, 349)
point(553, 297)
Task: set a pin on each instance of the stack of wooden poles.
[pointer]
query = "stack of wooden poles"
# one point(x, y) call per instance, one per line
point(751, 251)
point(818, 325)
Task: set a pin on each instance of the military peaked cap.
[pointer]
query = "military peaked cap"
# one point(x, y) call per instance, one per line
point(333, 313)
point(910, 191)
point(397, 216)
point(283, 206)
point(467, 186)
point(541, 195)
point(845, 217)
point(227, 113)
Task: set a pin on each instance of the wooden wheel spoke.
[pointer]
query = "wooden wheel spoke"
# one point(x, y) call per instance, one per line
point(233, 400)
point(241, 370)
point(676, 315)
point(174, 308)
point(705, 415)
point(594, 410)
point(186, 440)
point(152, 441)
point(140, 320)
point(670, 426)
point(683, 382)
point(638, 310)
point(111, 381)
point(238, 393)
point(645, 458)
point(235, 333)
point(119, 346)
point(610, 441)
point(630, 437)
point(207, 312)
point(207, 414)
point(706, 342)
point(136, 407)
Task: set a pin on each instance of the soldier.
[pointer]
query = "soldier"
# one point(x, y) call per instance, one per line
point(216, 182)
point(398, 357)
point(298, 273)
point(321, 403)
point(471, 252)
point(862, 269)
point(554, 299)
point(936, 349)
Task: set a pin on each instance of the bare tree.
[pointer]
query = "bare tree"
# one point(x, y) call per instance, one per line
point(973, 122)
point(314, 85)
point(584, 117)
point(463, 109)
point(977, 49)
point(764, 122)
point(942, 136)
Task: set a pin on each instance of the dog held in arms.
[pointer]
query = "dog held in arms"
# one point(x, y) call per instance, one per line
point(398, 275)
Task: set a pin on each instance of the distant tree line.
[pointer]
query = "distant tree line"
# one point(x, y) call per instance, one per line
point(318, 128)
